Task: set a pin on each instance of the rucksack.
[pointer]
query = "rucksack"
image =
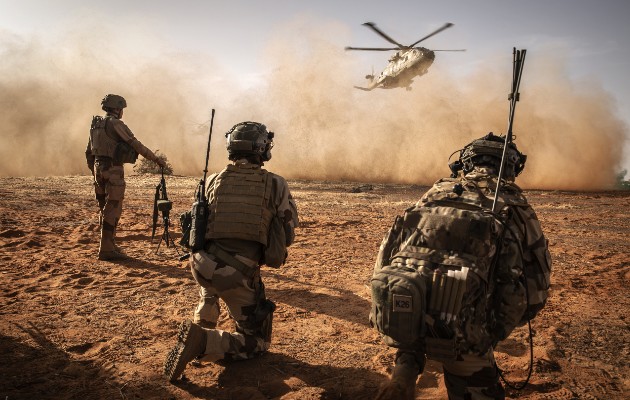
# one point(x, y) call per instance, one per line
point(432, 282)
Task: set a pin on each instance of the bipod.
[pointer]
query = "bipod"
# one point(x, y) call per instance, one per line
point(162, 205)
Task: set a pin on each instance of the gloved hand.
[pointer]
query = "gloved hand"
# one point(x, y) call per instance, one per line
point(160, 162)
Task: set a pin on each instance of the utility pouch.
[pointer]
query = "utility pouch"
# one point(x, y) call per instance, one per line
point(276, 250)
point(124, 154)
point(441, 350)
point(398, 305)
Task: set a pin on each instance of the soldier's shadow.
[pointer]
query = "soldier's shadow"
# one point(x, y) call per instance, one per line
point(344, 306)
point(274, 375)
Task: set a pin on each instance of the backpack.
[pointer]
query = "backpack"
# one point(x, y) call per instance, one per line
point(432, 284)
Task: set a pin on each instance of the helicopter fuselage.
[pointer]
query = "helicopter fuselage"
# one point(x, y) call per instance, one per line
point(403, 67)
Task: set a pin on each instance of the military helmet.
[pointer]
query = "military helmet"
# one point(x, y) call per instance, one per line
point(488, 151)
point(249, 138)
point(113, 101)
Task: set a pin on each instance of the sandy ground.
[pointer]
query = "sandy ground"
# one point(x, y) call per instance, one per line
point(72, 327)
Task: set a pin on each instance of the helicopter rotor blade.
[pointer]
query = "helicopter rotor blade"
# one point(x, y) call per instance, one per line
point(446, 26)
point(390, 40)
point(451, 50)
point(371, 48)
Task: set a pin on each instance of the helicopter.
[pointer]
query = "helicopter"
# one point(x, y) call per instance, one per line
point(406, 64)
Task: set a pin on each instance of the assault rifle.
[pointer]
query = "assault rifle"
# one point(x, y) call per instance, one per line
point(163, 205)
point(196, 235)
point(517, 70)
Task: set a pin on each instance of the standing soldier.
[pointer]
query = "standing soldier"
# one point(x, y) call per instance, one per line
point(469, 275)
point(251, 222)
point(111, 145)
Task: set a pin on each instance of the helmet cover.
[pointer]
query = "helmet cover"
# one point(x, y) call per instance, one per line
point(488, 151)
point(249, 138)
point(113, 101)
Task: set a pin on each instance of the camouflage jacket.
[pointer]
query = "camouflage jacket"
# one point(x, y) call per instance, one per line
point(116, 128)
point(523, 256)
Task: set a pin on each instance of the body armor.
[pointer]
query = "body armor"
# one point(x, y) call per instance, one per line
point(239, 205)
point(102, 144)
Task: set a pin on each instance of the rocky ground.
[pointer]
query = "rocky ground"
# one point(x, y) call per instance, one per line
point(72, 327)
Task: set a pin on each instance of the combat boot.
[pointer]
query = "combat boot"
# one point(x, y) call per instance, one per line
point(191, 343)
point(107, 250)
point(402, 385)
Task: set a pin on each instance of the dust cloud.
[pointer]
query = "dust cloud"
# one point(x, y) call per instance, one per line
point(325, 129)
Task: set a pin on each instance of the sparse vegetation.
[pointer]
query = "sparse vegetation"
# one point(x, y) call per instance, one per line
point(145, 166)
point(620, 182)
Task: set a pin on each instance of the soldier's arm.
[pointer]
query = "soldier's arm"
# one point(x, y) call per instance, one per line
point(286, 208)
point(509, 293)
point(123, 131)
point(536, 261)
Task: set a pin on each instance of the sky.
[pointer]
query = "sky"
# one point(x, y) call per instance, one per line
point(221, 54)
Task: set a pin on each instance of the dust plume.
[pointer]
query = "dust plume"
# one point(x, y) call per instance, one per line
point(52, 88)
point(328, 130)
point(325, 129)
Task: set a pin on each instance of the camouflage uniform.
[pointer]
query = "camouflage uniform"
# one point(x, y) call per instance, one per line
point(251, 218)
point(241, 294)
point(109, 177)
point(524, 252)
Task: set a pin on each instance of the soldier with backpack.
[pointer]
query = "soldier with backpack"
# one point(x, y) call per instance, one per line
point(111, 145)
point(453, 277)
point(250, 222)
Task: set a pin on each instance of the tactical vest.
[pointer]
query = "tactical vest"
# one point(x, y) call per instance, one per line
point(102, 144)
point(433, 278)
point(239, 205)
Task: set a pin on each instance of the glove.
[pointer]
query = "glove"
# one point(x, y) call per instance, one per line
point(160, 162)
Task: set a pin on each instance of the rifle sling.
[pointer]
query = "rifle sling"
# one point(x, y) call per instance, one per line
point(230, 260)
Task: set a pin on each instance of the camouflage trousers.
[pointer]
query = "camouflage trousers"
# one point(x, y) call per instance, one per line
point(109, 188)
point(242, 297)
point(471, 377)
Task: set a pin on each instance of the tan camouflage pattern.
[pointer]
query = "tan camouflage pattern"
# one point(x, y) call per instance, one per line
point(240, 295)
point(116, 128)
point(109, 178)
point(109, 188)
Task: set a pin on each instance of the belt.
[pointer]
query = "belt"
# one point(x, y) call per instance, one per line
point(230, 260)
point(107, 160)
